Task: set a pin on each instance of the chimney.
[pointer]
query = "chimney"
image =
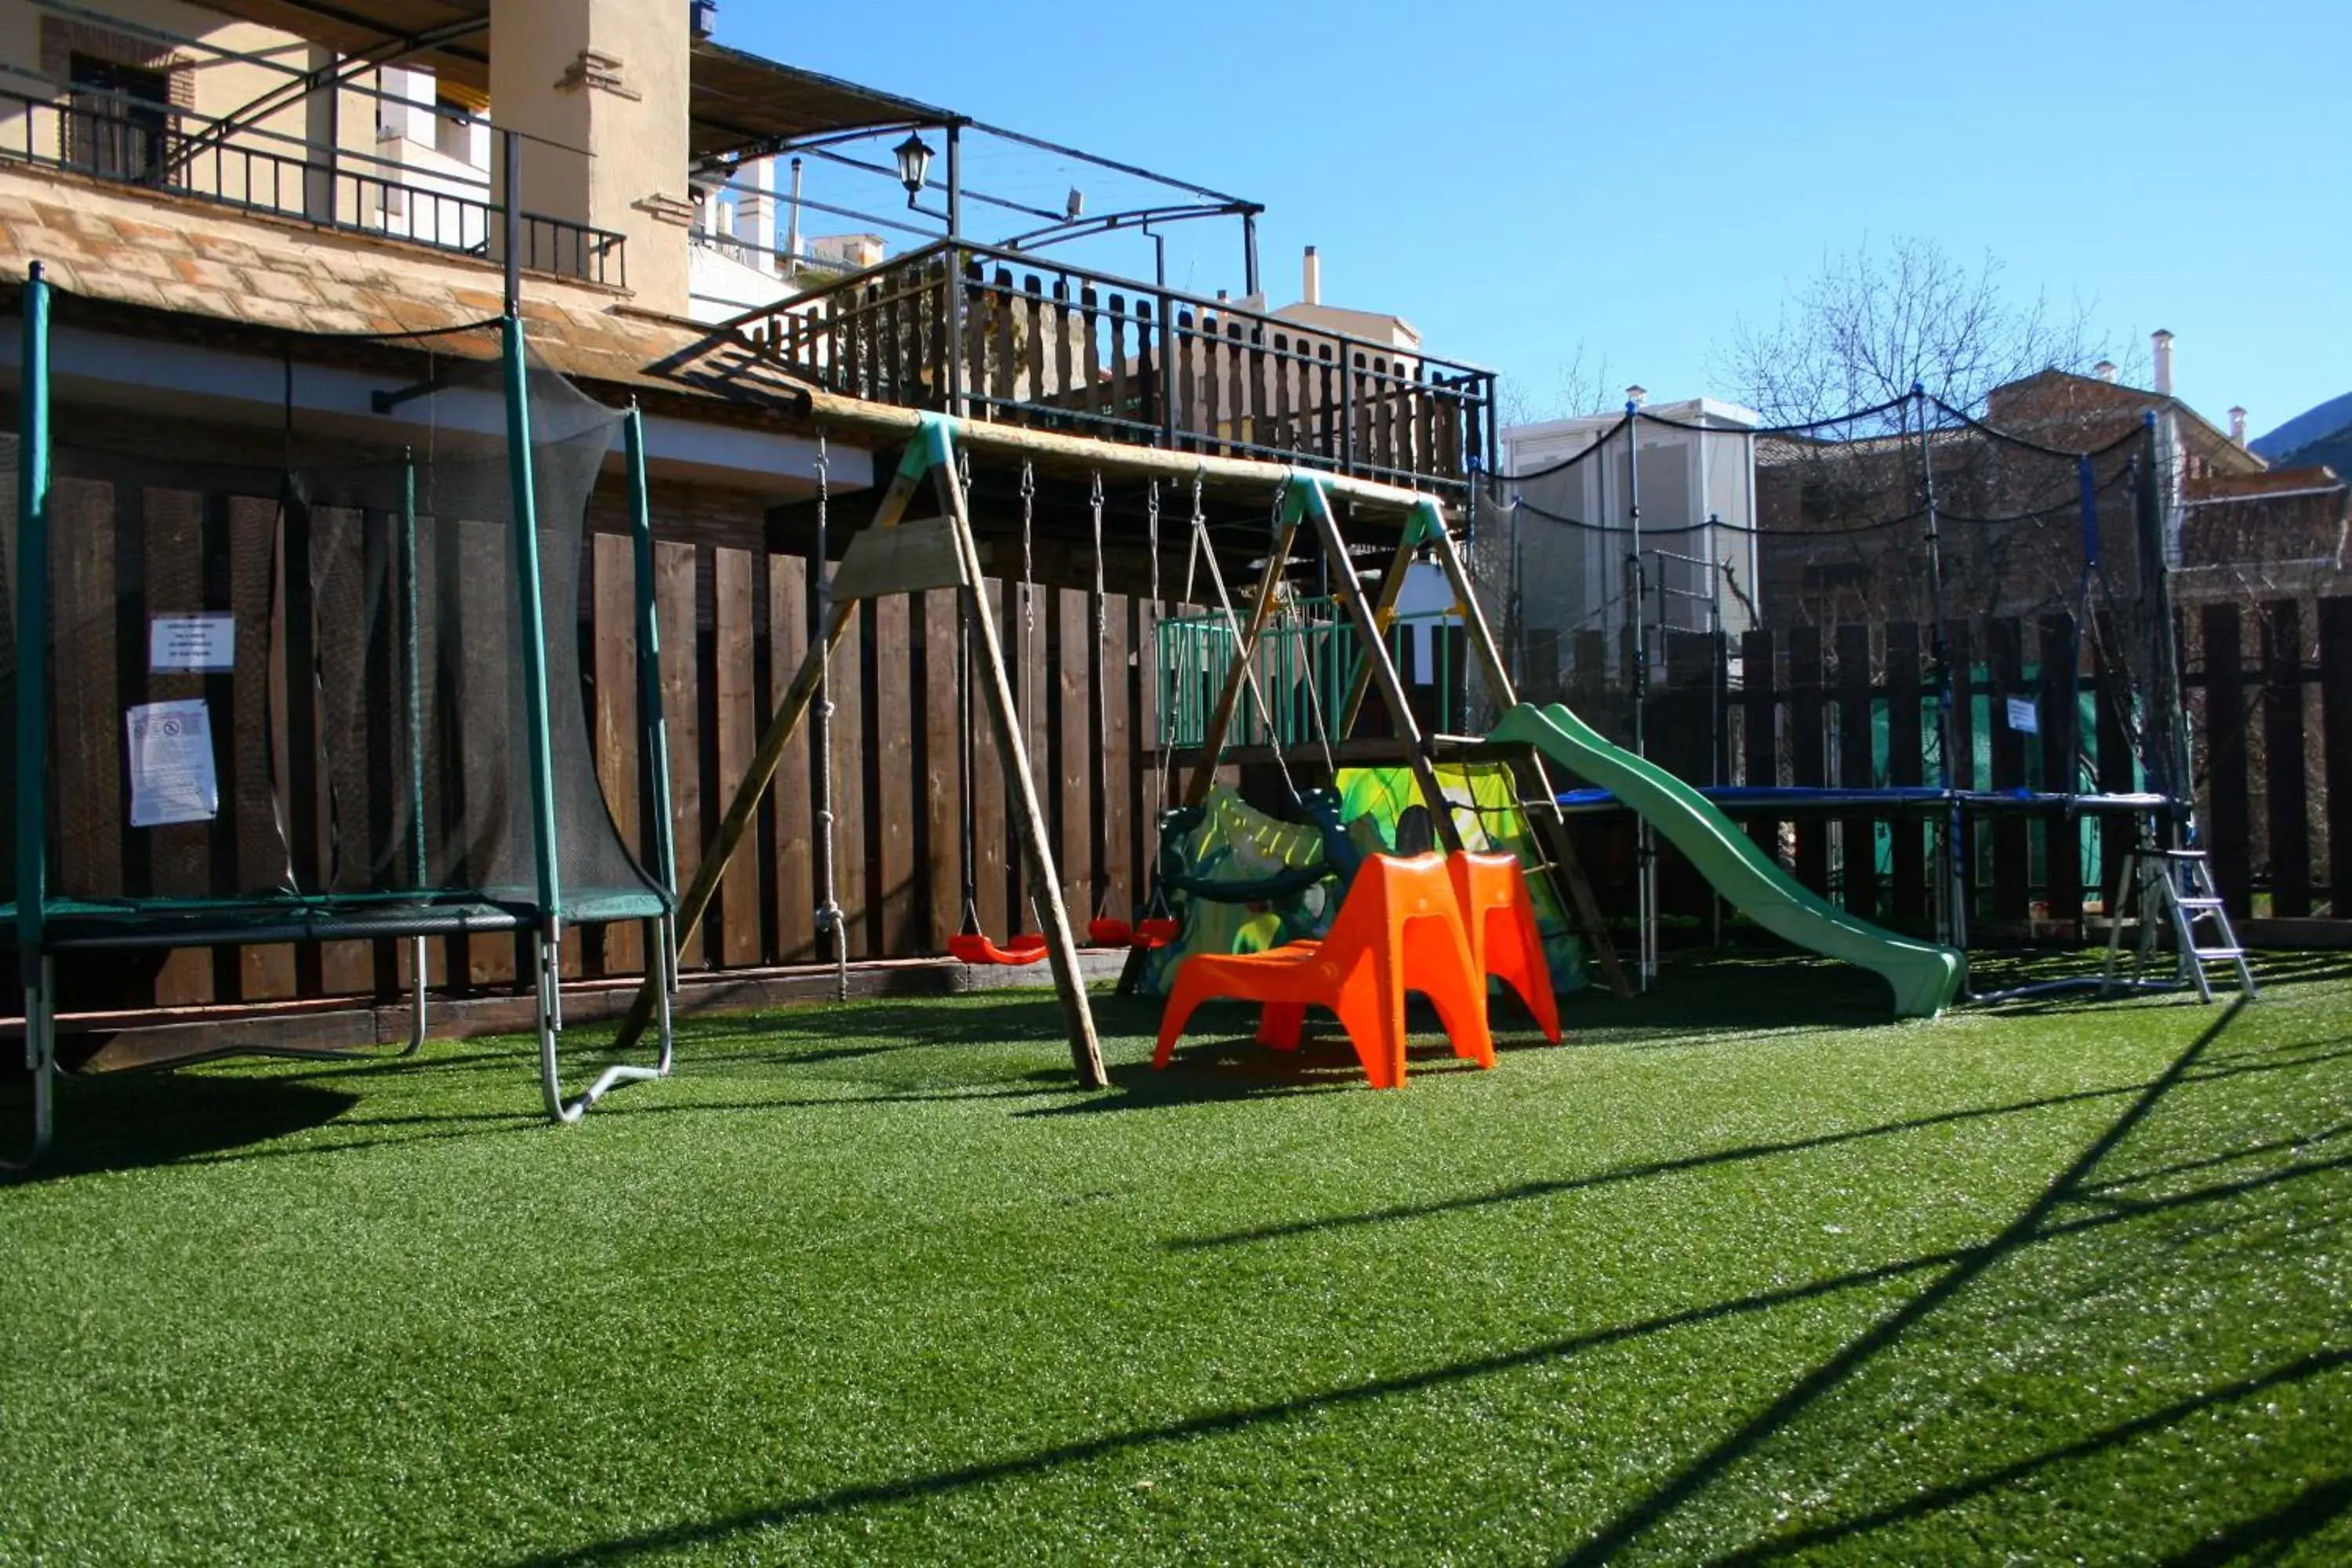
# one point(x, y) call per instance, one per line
point(1637, 395)
point(2106, 371)
point(1311, 284)
point(602, 86)
point(2238, 425)
point(2161, 344)
point(755, 214)
point(793, 225)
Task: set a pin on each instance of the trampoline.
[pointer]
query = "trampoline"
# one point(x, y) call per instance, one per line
point(334, 697)
point(1945, 810)
point(1787, 803)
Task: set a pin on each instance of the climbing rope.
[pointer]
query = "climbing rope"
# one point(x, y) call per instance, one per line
point(828, 910)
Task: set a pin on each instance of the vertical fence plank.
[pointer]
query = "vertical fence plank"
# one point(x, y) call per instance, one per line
point(990, 873)
point(2062, 727)
point(2286, 769)
point(612, 590)
point(851, 883)
point(180, 856)
point(1806, 749)
point(674, 602)
point(943, 802)
point(2336, 747)
point(264, 973)
point(1146, 784)
point(1116, 744)
point(1759, 701)
point(1858, 835)
point(1906, 768)
point(2006, 654)
point(1961, 756)
point(738, 904)
point(2228, 809)
point(793, 886)
point(2117, 769)
point(892, 804)
point(1077, 763)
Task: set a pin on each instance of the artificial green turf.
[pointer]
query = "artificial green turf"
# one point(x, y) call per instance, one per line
point(1742, 1274)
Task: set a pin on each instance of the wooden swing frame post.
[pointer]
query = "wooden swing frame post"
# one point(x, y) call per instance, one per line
point(931, 454)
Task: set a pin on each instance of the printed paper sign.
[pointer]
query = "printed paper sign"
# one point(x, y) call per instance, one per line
point(192, 642)
point(2022, 717)
point(172, 776)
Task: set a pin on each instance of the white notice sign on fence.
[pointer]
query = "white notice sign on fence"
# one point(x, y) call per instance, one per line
point(192, 642)
point(171, 773)
point(2022, 717)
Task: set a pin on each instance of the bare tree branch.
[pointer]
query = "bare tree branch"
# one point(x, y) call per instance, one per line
point(1875, 320)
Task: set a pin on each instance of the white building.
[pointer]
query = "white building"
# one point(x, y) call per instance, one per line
point(1573, 530)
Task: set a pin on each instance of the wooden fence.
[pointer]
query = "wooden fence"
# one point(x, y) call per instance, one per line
point(2268, 689)
point(736, 621)
point(2269, 693)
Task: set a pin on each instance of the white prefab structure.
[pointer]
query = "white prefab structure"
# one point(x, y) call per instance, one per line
point(1698, 498)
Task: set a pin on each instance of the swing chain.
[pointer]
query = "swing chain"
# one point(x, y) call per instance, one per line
point(828, 913)
point(1028, 562)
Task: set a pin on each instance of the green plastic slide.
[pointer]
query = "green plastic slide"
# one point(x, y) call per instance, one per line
point(1924, 976)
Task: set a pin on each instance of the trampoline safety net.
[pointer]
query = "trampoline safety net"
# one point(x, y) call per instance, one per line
point(1905, 547)
point(286, 674)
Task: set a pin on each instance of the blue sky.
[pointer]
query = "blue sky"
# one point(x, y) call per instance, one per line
point(1519, 179)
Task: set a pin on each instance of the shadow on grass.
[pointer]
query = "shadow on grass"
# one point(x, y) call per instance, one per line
point(2030, 1226)
point(2300, 1516)
point(2264, 1537)
point(1525, 1191)
point(1949, 1268)
point(166, 1120)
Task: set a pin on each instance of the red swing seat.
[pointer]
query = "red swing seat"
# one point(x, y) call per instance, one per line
point(976, 947)
point(1152, 930)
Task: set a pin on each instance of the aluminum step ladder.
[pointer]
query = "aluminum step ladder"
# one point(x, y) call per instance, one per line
point(2172, 890)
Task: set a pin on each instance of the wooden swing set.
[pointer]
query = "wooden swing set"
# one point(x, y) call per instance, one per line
point(893, 555)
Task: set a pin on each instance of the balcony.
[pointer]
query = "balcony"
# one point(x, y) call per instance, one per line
point(994, 334)
point(128, 140)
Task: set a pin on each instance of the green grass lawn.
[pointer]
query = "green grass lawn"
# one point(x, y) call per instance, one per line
point(1742, 1274)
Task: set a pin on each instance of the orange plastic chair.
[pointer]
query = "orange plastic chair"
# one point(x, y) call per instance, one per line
point(1399, 929)
point(1499, 916)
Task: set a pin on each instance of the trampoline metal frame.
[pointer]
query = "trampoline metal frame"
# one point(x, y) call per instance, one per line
point(38, 944)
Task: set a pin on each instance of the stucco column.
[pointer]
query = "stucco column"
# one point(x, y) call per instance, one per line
point(600, 85)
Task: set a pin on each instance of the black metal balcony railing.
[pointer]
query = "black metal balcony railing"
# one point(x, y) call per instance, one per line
point(1068, 350)
point(258, 170)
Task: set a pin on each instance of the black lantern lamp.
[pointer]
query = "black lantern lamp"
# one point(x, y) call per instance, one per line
point(914, 164)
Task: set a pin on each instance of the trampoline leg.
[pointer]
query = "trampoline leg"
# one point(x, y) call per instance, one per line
point(416, 997)
point(547, 950)
point(41, 1059)
point(662, 933)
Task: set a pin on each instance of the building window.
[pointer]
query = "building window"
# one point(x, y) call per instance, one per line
point(119, 118)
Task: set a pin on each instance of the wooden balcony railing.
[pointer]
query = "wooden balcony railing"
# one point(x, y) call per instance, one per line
point(1052, 347)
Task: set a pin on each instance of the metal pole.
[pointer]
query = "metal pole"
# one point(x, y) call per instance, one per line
point(512, 196)
point(33, 620)
point(412, 661)
point(1955, 879)
point(32, 709)
point(953, 282)
point(1167, 344)
point(530, 601)
point(653, 724)
point(2168, 739)
point(1249, 255)
point(955, 182)
point(1646, 843)
point(792, 229)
